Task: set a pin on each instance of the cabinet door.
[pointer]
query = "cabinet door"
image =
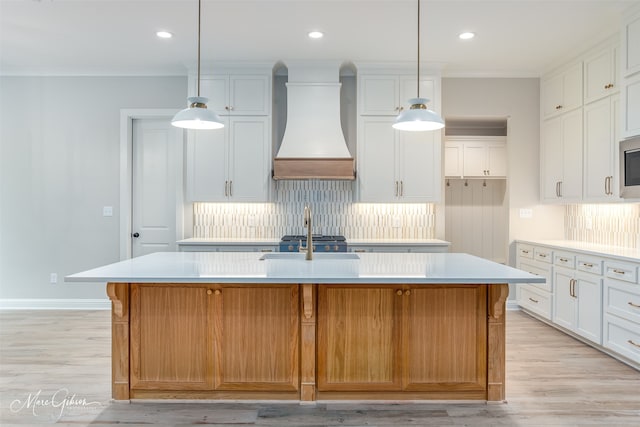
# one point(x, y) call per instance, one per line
point(377, 160)
point(453, 159)
point(551, 158)
point(562, 92)
point(474, 159)
point(496, 157)
point(600, 150)
point(571, 186)
point(631, 107)
point(600, 74)
point(631, 45)
point(256, 338)
point(588, 288)
point(249, 159)
point(445, 338)
point(420, 162)
point(352, 321)
point(249, 95)
point(408, 90)
point(380, 95)
point(171, 343)
point(207, 154)
point(564, 310)
point(217, 90)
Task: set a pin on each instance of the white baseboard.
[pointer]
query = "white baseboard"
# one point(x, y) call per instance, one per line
point(512, 305)
point(54, 304)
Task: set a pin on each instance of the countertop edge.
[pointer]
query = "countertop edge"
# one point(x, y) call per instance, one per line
point(617, 252)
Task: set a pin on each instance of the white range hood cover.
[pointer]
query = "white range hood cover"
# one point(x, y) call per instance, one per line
point(313, 131)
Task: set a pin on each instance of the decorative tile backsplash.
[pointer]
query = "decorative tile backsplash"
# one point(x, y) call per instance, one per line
point(607, 224)
point(333, 213)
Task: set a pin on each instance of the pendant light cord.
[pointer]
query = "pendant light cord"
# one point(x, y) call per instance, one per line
point(418, 71)
point(199, 13)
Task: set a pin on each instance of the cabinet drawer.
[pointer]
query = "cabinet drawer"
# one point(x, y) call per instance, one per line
point(525, 251)
point(543, 254)
point(589, 264)
point(621, 271)
point(564, 259)
point(622, 336)
point(536, 301)
point(529, 267)
point(622, 299)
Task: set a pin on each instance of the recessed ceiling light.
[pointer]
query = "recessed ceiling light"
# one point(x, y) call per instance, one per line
point(467, 35)
point(164, 34)
point(315, 35)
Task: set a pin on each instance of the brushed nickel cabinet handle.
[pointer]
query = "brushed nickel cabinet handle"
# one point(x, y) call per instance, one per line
point(632, 343)
point(588, 265)
point(606, 180)
point(396, 188)
point(542, 255)
point(359, 250)
point(524, 251)
point(401, 188)
point(226, 189)
point(533, 300)
point(563, 259)
point(558, 107)
point(618, 271)
point(633, 305)
point(230, 188)
point(560, 188)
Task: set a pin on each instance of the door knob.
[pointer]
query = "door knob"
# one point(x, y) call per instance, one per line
point(135, 235)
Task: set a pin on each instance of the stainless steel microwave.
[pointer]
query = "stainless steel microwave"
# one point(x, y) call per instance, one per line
point(630, 168)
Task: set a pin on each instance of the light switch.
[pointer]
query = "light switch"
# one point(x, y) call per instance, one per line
point(526, 213)
point(107, 211)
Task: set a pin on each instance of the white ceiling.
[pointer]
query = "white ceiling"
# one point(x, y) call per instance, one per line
point(102, 37)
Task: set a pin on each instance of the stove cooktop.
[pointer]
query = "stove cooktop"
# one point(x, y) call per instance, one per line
point(315, 237)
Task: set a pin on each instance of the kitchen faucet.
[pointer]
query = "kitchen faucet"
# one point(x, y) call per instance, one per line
point(307, 223)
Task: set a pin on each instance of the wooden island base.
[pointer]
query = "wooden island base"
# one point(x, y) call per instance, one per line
point(308, 342)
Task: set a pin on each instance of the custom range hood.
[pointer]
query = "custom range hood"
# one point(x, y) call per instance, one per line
point(313, 145)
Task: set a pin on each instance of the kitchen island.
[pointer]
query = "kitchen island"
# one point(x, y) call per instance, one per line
point(217, 325)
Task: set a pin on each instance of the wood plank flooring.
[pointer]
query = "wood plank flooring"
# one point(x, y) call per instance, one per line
point(55, 369)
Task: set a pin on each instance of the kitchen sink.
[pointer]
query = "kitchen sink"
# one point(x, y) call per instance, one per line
point(332, 264)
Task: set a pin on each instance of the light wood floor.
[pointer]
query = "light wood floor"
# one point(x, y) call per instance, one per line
point(64, 357)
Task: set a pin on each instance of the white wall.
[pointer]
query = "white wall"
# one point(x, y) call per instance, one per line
point(519, 100)
point(59, 165)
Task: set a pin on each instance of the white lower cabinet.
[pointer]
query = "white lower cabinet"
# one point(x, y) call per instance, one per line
point(595, 298)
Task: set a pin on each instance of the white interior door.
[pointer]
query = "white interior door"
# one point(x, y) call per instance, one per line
point(157, 182)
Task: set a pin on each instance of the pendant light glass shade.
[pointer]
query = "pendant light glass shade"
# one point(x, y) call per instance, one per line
point(418, 117)
point(197, 116)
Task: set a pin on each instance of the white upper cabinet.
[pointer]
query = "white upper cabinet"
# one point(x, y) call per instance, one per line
point(387, 95)
point(396, 166)
point(562, 91)
point(601, 73)
point(476, 157)
point(630, 99)
point(561, 158)
point(237, 95)
point(631, 44)
point(230, 164)
point(600, 153)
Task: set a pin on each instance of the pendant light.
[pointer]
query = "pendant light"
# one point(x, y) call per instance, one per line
point(418, 117)
point(197, 116)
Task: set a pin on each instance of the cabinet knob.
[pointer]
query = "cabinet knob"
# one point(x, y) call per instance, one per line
point(399, 292)
point(217, 292)
point(558, 107)
point(209, 291)
point(135, 235)
point(407, 292)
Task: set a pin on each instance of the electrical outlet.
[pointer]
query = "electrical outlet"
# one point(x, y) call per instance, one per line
point(526, 213)
point(107, 211)
point(53, 278)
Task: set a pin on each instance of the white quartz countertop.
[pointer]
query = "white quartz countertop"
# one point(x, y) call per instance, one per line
point(273, 241)
point(628, 254)
point(246, 267)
